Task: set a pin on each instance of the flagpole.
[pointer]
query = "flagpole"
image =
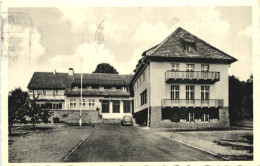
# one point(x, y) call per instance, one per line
point(80, 121)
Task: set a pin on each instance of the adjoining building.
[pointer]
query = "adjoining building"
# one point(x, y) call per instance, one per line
point(183, 83)
point(104, 96)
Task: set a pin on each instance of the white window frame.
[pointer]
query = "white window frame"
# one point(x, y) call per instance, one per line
point(175, 66)
point(89, 87)
point(73, 103)
point(113, 88)
point(83, 103)
point(190, 92)
point(91, 104)
point(191, 117)
point(205, 93)
point(175, 92)
point(101, 88)
point(203, 69)
point(205, 118)
point(75, 88)
point(55, 92)
point(124, 89)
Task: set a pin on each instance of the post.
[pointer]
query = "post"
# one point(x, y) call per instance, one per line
point(80, 121)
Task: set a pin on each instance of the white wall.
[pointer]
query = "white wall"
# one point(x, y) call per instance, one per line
point(161, 90)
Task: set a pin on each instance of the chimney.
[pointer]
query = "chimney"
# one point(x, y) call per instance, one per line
point(71, 71)
point(54, 72)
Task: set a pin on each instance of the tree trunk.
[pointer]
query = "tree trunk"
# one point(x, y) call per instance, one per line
point(9, 128)
point(33, 123)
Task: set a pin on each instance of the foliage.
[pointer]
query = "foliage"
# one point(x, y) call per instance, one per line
point(240, 99)
point(21, 106)
point(105, 68)
point(18, 105)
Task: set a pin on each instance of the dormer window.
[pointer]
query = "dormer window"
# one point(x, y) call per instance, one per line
point(101, 88)
point(188, 45)
point(75, 88)
point(113, 88)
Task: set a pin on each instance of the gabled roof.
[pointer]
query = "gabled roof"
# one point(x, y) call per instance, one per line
point(47, 80)
point(173, 47)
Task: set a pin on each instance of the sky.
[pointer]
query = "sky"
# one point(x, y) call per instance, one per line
point(58, 38)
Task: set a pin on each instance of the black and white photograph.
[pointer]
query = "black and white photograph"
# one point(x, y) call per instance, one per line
point(130, 83)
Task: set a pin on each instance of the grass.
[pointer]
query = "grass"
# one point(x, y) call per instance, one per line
point(231, 144)
point(47, 143)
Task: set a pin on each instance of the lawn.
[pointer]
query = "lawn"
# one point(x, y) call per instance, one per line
point(47, 143)
point(230, 144)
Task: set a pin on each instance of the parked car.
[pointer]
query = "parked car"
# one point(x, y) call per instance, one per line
point(127, 120)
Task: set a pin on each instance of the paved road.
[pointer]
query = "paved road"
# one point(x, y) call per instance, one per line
point(115, 143)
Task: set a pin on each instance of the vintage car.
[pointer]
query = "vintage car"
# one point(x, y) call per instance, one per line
point(127, 120)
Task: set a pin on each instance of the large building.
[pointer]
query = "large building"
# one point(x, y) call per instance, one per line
point(104, 96)
point(181, 82)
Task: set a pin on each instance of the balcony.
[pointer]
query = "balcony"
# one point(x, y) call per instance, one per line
point(199, 77)
point(49, 97)
point(217, 103)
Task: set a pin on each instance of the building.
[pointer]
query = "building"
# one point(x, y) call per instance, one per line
point(182, 83)
point(104, 96)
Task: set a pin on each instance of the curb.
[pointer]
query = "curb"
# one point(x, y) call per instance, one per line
point(73, 150)
point(195, 147)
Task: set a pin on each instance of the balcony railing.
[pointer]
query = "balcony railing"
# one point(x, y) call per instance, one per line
point(192, 76)
point(193, 103)
point(49, 97)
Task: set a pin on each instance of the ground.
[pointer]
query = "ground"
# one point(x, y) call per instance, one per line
point(116, 143)
point(47, 143)
point(232, 144)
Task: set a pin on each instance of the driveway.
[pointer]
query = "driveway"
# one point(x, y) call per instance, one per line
point(116, 143)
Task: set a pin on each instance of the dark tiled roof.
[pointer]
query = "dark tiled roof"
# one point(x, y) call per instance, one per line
point(173, 47)
point(47, 80)
point(97, 92)
point(103, 79)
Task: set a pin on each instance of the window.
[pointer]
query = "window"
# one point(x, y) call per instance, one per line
point(205, 92)
point(124, 89)
point(126, 104)
point(83, 103)
point(189, 70)
point(204, 71)
point(143, 97)
point(55, 92)
point(73, 103)
point(116, 106)
point(101, 88)
point(39, 92)
point(205, 68)
point(189, 48)
point(143, 76)
point(57, 106)
point(205, 118)
point(105, 106)
point(140, 81)
point(89, 87)
point(91, 104)
point(190, 94)
point(113, 88)
point(175, 67)
point(75, 88)
point(44, 92)
point(190, 117)
point(175, 92)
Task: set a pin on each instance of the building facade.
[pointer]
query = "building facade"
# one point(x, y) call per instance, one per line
point(104, 96)
point(182, 83)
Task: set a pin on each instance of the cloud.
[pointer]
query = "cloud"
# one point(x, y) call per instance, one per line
point(24, 58)
point(247, 32)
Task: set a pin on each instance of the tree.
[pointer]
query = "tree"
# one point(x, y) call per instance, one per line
point(18, 106)
point(105, 68)
point(240, 99)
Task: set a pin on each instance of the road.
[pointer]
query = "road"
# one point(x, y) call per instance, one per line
point(116, 143)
